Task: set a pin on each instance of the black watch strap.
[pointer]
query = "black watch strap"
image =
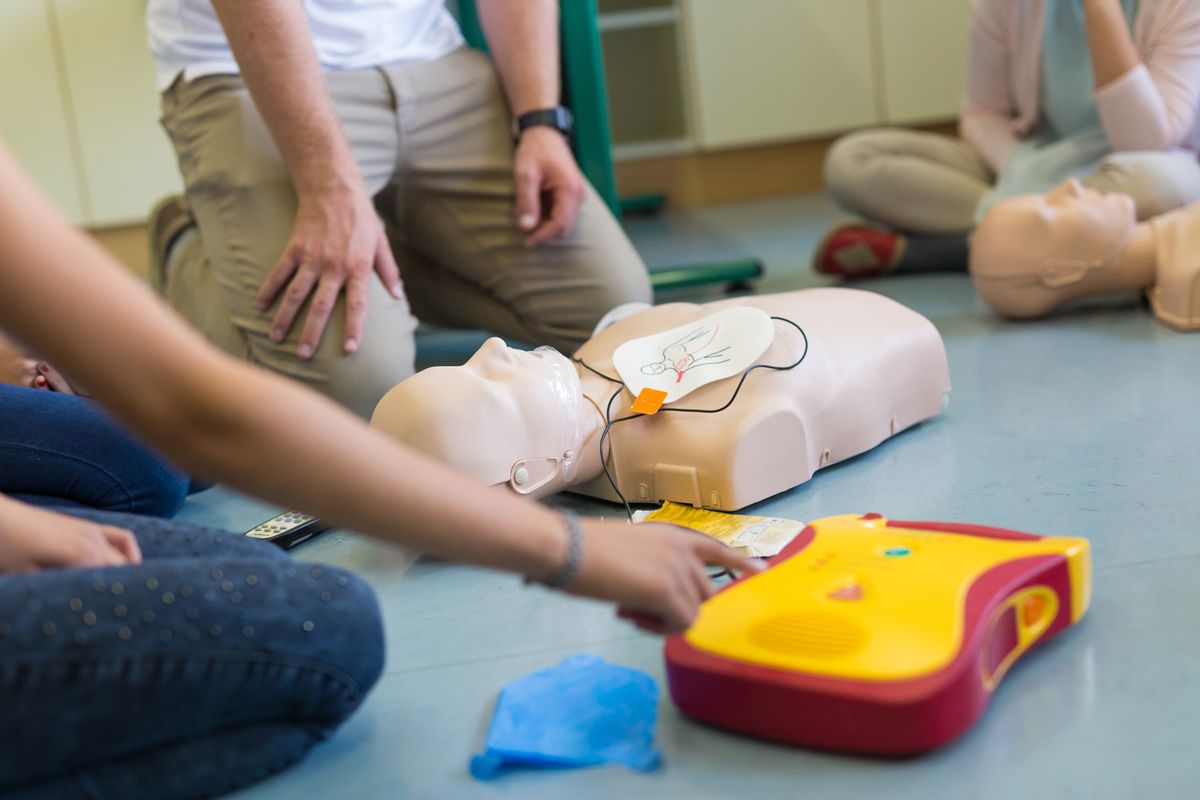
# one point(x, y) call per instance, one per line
point(558, 118)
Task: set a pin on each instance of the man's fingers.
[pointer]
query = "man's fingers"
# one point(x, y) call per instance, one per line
point(551, 226)
point(319, 311)
point(543, 233)
point(386, 267)
point(356, 312)
point(283, 271)
point(297, 292)
point(529, 198)
point(563, 210)
point(567, 202)
point(124, 543)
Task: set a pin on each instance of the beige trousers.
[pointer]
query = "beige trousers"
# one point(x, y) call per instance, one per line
point(928, 183)
point(433, 145)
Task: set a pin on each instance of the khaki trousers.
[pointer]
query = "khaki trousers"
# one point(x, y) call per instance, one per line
point(433, 145)
point(921, 182)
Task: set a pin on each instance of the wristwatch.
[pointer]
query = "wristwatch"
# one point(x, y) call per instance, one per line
point(558, 118)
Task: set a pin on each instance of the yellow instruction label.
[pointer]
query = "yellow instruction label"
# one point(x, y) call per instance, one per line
point(757, 537)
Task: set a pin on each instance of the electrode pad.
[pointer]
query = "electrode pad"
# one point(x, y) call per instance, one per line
point(681, 360)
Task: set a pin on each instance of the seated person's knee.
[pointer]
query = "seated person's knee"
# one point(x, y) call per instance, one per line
point(845, 163)
point(338, 613)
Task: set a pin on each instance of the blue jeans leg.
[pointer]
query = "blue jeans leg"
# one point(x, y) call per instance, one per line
point(62, 450)
point(213, 664)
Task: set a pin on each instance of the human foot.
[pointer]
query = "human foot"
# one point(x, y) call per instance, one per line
point(855, 250)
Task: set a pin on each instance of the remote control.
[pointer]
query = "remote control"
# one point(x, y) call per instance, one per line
point(288, 529)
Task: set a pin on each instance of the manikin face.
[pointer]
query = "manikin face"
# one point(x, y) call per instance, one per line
point(1055, 238)
point(504, 407)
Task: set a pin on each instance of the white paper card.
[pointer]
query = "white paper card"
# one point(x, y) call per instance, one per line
point(683, 359)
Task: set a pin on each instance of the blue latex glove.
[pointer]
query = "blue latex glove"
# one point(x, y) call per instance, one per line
point(581, 713)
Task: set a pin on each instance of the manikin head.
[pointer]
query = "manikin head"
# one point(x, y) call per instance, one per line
point(504, 416)
point(1032, 253)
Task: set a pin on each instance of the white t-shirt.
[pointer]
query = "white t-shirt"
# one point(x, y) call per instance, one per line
point(185, 35)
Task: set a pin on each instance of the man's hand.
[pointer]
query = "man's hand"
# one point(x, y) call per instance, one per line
point(32, 539)
point(337, 241)
point(550, 188)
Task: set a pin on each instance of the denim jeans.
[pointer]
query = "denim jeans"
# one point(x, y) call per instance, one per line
point(61, 450)
point(215, 663)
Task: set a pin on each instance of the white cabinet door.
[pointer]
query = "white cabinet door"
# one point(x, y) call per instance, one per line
point(924, 58)
point(127, 161)
point(764, 70)
point(33, 114)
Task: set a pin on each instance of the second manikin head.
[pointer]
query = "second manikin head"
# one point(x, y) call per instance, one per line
point(1033, 253)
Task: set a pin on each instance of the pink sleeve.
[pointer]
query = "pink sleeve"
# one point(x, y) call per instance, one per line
point(1153, 106)
point(987, 110)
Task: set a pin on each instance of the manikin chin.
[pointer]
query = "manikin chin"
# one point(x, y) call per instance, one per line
point(533, 420)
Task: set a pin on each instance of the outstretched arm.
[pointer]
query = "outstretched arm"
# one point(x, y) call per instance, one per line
point(269, 437)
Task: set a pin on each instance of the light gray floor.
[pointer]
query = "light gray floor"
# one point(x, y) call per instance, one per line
point(1085, 424)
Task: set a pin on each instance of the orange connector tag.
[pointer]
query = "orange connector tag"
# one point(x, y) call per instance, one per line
point(649, 401)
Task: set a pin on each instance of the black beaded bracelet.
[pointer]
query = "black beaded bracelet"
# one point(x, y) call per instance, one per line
point(570, 568)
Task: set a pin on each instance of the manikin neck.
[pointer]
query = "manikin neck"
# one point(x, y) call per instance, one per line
point(596, 392)
point(1140, 259)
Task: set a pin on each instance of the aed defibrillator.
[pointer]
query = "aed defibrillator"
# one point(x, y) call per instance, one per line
point(876, 636)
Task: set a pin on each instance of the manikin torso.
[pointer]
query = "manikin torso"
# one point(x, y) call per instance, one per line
point(1175, 293)
point(872, 369)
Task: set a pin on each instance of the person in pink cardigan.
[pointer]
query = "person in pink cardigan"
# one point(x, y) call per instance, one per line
point(1101, 90)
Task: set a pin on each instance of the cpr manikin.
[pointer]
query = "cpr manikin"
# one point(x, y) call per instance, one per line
point(1032, 254)
point(533, 420)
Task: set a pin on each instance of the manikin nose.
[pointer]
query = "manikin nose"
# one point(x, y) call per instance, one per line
point(1070, 188)
point(495, 348)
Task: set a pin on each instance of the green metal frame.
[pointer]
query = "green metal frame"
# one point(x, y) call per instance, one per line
point(585, 93)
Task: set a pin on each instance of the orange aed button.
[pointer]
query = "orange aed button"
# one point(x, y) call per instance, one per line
point(1032, 609)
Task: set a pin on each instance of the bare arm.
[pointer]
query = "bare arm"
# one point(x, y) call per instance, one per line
point(987, 110)
point(1147, 101)
point(228, 420)
point(1109, 41)
point(274, 51)
point(523, 38)
point(274, 439)
point(337, 238)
